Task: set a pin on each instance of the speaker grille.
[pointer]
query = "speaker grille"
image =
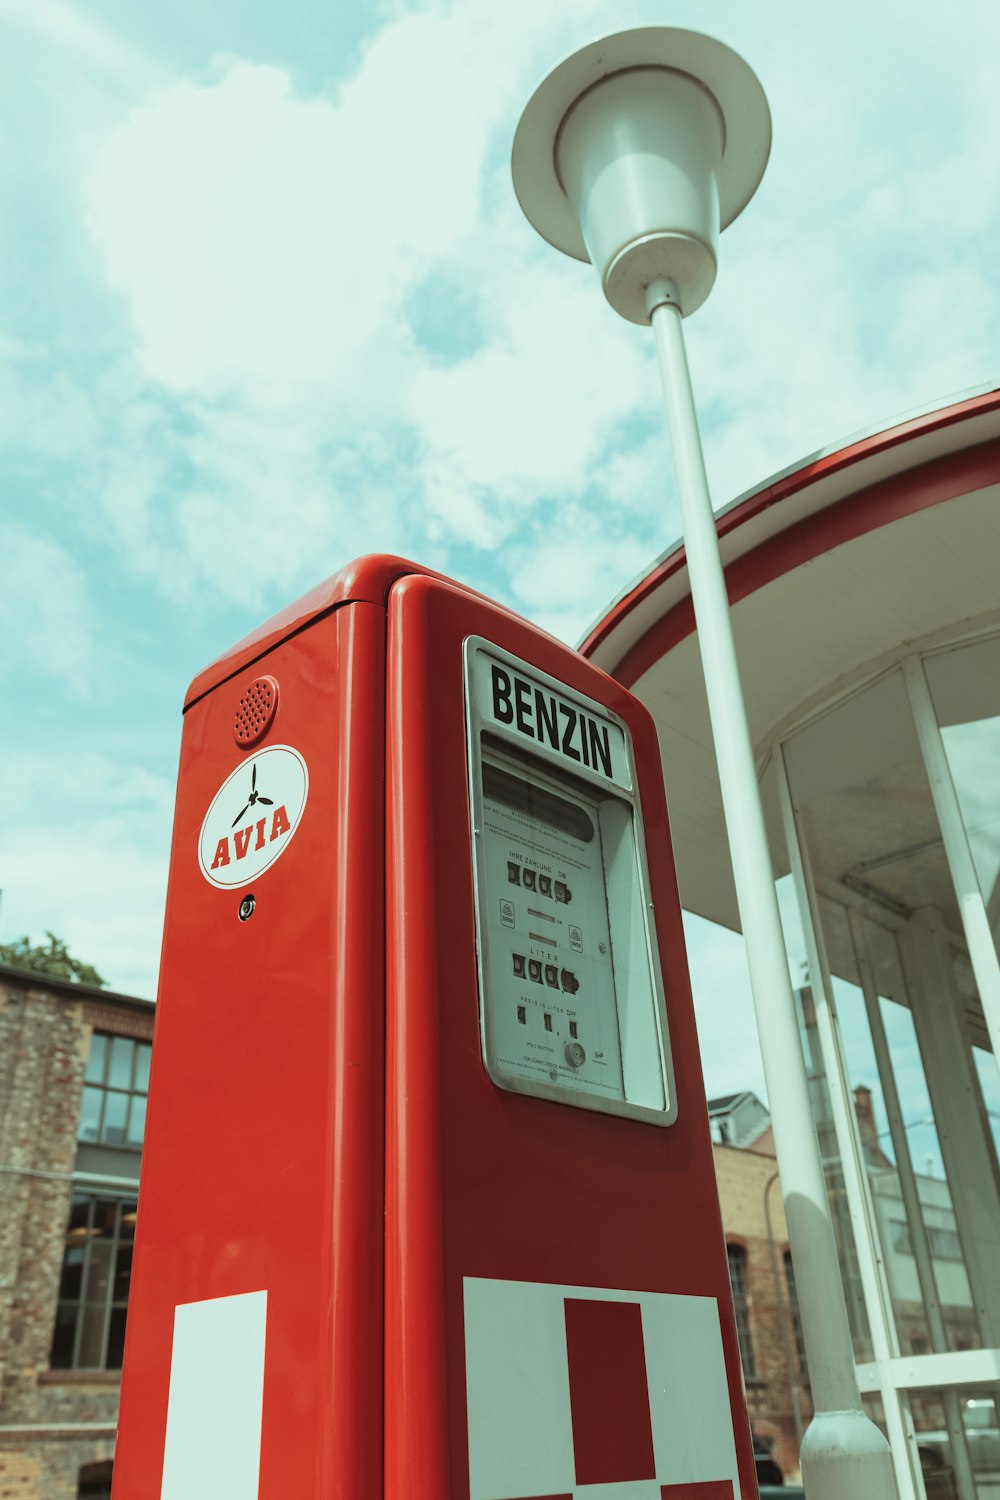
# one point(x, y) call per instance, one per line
point(255, 712)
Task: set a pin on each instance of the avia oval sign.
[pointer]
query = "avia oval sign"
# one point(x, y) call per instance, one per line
point(253, 817)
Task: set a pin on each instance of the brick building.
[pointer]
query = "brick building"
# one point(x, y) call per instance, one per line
point(760, 1269)
point(74, 1065)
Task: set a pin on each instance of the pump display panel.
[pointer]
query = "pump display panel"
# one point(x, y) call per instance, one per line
point(571, 996)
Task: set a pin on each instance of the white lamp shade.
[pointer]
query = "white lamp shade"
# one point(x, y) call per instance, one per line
point(635, 152)
point(639, 158)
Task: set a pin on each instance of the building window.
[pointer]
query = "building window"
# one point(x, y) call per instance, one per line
point(93, 1291)
point(737, 1258)
point(114, 1094)
point(945, 1244)
point(793, 1303)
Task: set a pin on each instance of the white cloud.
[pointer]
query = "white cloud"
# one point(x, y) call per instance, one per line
point(84, 855)
point(572, 562)
point(268, 247)
point(271, 250)
point(67, 29)
point(99, 886)
point(47, 621)
point(265, 241)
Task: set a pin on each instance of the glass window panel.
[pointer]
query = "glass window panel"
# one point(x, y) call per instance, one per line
point(96, 1058)
point(115, 1112)
point(933, 1441)
point(837, 937)
point(136, 1120)
point(90, 1114)
point(978, 1413)
point(965, 688)
point(116, 1338)
point(143, 1053)
point(98, 1271)
point(959, 1328)
point(123, 1273)
point(105, 1216)
point(989, 1086)
point(951, 1282)
point(791, 927)
point(72, 1273)
point(90, 1351)
point(120, 1063)
point(127, 1224)
point(875, 1410)
point(79, 1212)
point(65, 1333)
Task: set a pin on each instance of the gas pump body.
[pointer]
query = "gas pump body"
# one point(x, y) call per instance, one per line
point(428, 1205)
point(261, 1199)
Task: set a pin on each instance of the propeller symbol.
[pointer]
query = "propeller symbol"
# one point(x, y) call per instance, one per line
point(255, 796)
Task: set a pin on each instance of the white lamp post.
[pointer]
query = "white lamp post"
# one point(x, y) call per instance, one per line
point(634, 153)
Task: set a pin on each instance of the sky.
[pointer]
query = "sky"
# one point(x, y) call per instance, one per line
point(267, 302)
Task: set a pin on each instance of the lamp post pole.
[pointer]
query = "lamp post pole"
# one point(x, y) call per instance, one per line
point(843, 1454)
point(633, 154)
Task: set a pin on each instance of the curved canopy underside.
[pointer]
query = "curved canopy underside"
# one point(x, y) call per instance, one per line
point(835, 570)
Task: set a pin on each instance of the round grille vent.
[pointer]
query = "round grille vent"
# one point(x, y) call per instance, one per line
point(255, 712)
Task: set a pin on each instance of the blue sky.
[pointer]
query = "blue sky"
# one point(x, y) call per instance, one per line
point(267, 302)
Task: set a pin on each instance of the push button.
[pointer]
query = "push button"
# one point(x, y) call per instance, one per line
point(575, 1054)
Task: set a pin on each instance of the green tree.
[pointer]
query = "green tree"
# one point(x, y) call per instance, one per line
point(52, 957)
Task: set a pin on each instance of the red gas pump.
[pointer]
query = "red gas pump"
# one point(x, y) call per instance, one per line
point(428, 1207)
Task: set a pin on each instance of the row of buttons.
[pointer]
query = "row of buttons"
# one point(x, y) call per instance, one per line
point(543, 884)
point(532, 968)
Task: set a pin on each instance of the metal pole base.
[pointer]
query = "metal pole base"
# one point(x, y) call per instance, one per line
point(844, 1454)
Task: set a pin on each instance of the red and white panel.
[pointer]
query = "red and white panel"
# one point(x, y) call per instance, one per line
point(591, 1393)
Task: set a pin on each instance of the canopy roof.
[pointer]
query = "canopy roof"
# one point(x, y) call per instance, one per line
point(835, 568)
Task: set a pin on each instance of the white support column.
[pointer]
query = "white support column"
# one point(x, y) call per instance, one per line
point(843, 1454)
point(972, 908)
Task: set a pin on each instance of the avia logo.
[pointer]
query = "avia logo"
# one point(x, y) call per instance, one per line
point(255, 796)
point(234, 851)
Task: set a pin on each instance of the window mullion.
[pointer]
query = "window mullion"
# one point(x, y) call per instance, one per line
point(110, 1290)
point(82, 1298)
point(975, 923)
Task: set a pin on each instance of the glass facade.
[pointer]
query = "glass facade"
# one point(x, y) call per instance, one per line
point(878, 809)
